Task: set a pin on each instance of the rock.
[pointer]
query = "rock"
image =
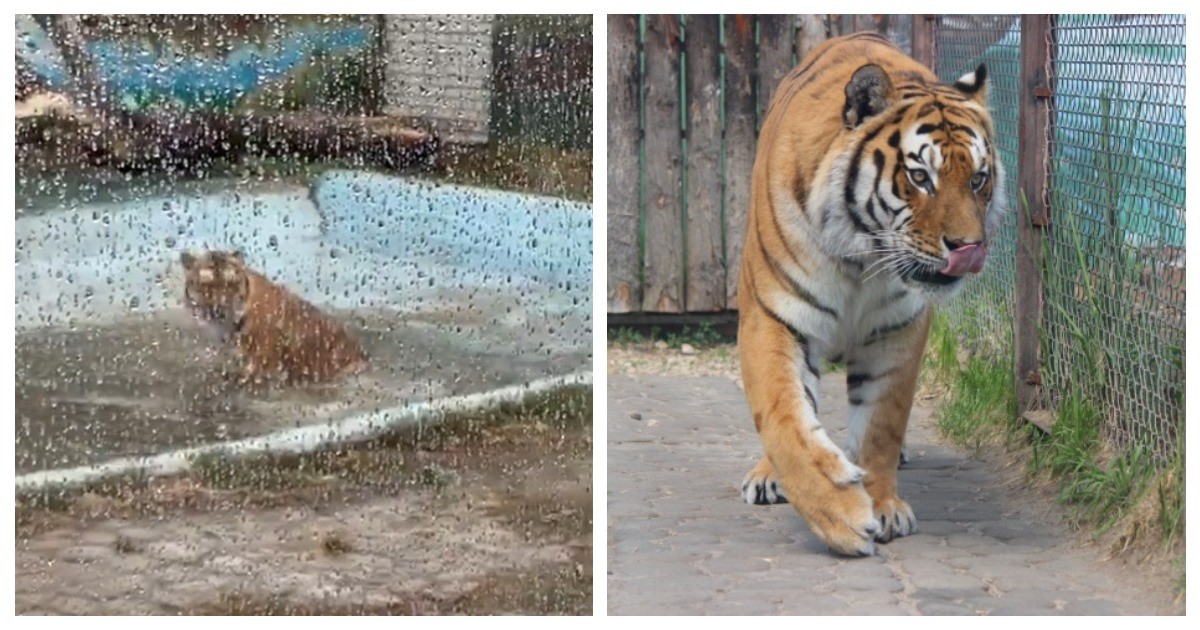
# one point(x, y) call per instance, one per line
point(687, 349)
point(660, 345)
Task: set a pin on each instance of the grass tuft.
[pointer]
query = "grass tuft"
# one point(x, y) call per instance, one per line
point(1129, 490)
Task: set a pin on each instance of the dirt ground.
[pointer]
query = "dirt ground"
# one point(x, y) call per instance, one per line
point(490, 515)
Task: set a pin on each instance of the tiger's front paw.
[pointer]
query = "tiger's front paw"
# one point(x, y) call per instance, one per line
point(832, 500)
point(845, 521)
point(895, 519)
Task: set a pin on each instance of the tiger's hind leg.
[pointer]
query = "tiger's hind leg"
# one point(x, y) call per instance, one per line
point(881, 380)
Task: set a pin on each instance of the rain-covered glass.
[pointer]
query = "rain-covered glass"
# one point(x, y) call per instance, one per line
point(303, 314)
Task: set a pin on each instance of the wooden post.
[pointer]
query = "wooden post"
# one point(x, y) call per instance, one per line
point(1037, 54)
point(705, 273)
point(810, 33)
point(663, 142)
point(624, 134)
point(776, 44)
point(739, 137)
point(923, 42)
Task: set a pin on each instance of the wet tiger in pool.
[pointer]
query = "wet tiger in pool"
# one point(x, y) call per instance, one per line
point(277, 334)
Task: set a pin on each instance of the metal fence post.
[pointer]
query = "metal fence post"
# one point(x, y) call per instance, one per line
point(1037, 54)
point(923, 25)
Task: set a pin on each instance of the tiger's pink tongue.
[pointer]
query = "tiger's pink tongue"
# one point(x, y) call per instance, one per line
point(965, 259)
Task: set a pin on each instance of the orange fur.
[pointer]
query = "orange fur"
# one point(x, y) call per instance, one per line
point(277, 333)
point(808, 288)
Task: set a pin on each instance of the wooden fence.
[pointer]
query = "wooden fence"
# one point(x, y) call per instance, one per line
point(686, 96)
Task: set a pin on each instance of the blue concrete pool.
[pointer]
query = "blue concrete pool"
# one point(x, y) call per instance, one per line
point(453, 290)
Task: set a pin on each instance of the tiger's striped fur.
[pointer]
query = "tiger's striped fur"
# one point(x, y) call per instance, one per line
point(874, 191)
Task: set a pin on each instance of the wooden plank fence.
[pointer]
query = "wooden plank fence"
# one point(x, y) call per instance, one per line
point(687, 95)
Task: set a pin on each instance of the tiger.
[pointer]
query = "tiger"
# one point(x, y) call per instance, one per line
point(874, 190)
point(278, 335)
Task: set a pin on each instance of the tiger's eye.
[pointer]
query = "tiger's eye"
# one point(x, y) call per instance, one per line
point(978, 179)
point(919, 177)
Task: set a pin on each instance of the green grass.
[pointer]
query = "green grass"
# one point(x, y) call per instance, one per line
point(1102, 489)
point(625, 336)
point(981, 402)
point(702, 335)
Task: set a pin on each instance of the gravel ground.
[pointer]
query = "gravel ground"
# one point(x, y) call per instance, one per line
point(660, 360)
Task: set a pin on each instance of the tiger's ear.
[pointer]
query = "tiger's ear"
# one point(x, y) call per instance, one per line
point(868, 93)
point(234, 257)
point(974, 84)
point(187, 259)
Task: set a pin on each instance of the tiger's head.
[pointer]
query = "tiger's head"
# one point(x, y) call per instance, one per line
point(919, 178)
point(216, 284)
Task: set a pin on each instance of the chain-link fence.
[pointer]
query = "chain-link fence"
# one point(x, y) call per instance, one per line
point(962, 43)
point(1114, 324)
point(1112, 259)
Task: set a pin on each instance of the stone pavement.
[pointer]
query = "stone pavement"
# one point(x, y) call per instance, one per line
point(681, 541)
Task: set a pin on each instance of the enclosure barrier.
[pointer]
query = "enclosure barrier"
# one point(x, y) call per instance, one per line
point(1085, 290)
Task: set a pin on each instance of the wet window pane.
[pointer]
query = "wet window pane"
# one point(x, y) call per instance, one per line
point(303, 311)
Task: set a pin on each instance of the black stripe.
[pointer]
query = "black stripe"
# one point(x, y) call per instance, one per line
point(799, 337)
point(813, 368)
point(796, 334)
point(787, 247)
point(856, 380)
point(880, 333)
point(965, 113)
point(852, 176)
point(894, 139)
point(856, 401)
point(879, 162)
point(970, 131)
point(798, 290)
point(894, 211)
point(928, 128)
point(871, 212)
point(858, 223)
